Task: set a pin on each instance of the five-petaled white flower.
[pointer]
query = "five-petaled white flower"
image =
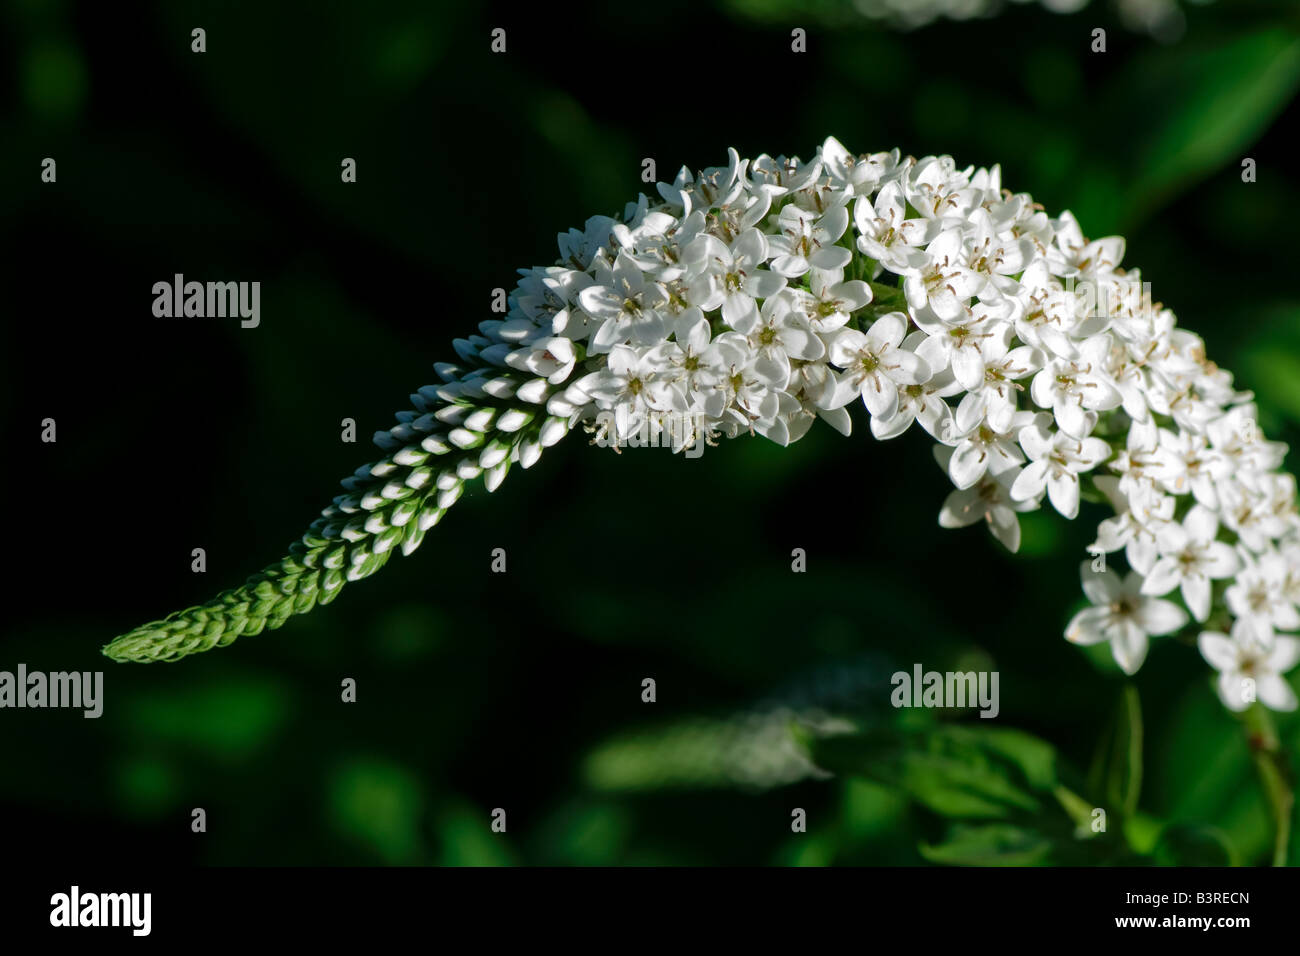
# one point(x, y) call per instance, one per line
point(626, 303)
point(730, 278)
point(1123, 615)
point(1190, 558)
point(808, 241)
point(1248, 671)
point(1056, 461)
point(989, 498)
point(1261, 594)
point(875, 365)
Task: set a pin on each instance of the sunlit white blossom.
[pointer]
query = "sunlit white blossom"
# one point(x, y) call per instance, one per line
point(1122, 615)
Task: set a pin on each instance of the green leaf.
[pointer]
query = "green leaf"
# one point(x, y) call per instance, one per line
point(953, 771)
point(1034, 758)
point(379, 804)
point(1266, 360)
point(956, 788)
point(997, 844)
point(1209, 107)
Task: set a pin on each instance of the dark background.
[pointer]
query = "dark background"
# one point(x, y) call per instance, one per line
point(522, 690)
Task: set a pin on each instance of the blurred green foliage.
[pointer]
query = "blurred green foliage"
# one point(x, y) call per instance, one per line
point(522, 691)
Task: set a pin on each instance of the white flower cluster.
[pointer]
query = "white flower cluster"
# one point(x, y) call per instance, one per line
point(759, 296)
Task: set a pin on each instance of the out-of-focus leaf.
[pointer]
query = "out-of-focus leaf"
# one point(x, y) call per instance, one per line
point(1266, 362)
point(954, 788)
point(1204, 110)
point(871, 811)
point(585, 834)
point(811, 849)
point(757, 749)
point(54, 79)
point(1035, 758)
point(229, 720)
point(147, 786)
point(997, 844)
point(854, 754)
point(1142, 832)
point(1206, 773)
point(467, 839)
point(954, 771)
point(378, 804)
point(1188, 844)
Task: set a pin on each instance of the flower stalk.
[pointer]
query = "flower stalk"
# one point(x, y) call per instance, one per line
point(1275, 776)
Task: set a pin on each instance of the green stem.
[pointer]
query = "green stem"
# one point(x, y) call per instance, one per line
point(1274, 774)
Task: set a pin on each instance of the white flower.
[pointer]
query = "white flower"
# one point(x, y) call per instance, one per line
point(730, 277)
point(543, 300)
point(1056, 461)
point(626, 304)
point(1248, 671)
point(728, 303)
point(990, 499)
point(1236, 436)
point(552, 358)
point(1258, 508)
point(875, 365)
point(1123, 615)
point(994, 400)
point(1144, 466)
point(698, 367)
point(632, 379)
point(984, 450)
point(1073, 255)
point(830, 304)
point(782, 334)
point(658, 242)
point(992, 257)
point(862, 176)
point(1196, 467)
point(916, 403)
point(578, 247)
point(964, 342)
point(1190, 558)
point(1259, 595)
point(942, 282)
point(808, 241)
point(1156, 17)
point(886, 235)
point(1138, 519)
point(753, 400)
point(1047, 315)
point(1073, 387)
point(938, 190)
